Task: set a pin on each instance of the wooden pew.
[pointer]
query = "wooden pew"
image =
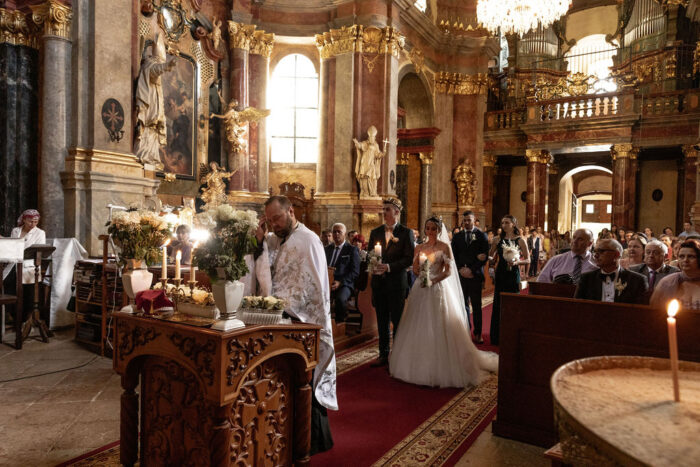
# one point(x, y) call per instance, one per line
point(539, 334)
point(551, 290)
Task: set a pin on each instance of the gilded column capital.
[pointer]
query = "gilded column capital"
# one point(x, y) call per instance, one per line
point(262, 43)
point(358, 38)
point(16, 29)
point(54, 16)
point(538, 155)
point(690, 151)
point(624, 151)
point(338, 41)
point(240, 35)
point(489, 160)
point(460, 83)
point(426, 158)
point(402, 158)
point(552, 170)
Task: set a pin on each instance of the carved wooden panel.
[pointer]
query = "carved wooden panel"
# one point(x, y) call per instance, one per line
point(261, 417)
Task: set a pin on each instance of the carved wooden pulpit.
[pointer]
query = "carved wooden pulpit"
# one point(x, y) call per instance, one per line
point(209, 397)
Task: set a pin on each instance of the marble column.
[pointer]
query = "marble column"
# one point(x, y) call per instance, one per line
point(624, 184)
point(489, 173)
point(553, 198)
point(19, 65)
point(426, 188)
point(501, 195)
point(402, 181)
point(687, 184)
point(537, 160)
point(259, 69)
point(55, 109)
point(240, 37)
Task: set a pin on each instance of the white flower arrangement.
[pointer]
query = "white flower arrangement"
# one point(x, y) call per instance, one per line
point(511, 253)
point(374, 260)
point(424, 275)
point(263, 304)
point(198, 296)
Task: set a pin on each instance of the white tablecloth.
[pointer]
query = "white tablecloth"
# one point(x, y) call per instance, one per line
point(68, 252)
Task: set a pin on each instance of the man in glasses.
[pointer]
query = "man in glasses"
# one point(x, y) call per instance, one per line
point(573, 263)
point(345, 259)
point(611, 283)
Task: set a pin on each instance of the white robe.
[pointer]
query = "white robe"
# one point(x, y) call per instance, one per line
point(296, 271)
point(34, 236)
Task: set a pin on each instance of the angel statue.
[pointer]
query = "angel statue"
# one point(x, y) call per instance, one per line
point(215, 192)
point(368, 166)
point(236, 120)
point(464, 177)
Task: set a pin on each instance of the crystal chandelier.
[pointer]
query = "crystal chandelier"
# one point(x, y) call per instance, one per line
point(519, 16)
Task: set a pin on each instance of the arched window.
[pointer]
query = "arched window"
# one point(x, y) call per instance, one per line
point(293, 99)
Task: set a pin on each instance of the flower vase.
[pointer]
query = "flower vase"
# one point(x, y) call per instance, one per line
point(228, 296)
point(135, 278)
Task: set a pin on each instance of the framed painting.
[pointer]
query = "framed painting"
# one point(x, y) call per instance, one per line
point(180, 97)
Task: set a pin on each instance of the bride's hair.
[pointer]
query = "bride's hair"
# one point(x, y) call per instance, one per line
point(511, 218)
point(435, 220)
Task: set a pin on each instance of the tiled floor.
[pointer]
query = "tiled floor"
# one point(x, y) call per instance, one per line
point(53, 418)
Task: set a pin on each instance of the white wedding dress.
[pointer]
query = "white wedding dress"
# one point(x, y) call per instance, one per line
point(433, 345)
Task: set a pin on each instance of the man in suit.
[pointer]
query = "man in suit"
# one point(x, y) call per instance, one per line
point(572, 263)
point(389, 281)
point(534, 244)
point(346, 260)
point(611, 283)
point(653, 267)
point(471, 247)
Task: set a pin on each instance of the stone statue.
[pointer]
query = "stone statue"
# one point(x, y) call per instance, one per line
point(368, 167)
point(150, 126)
point(215, 192)
point(464, 177)
point(235, 123)
point(215, 34)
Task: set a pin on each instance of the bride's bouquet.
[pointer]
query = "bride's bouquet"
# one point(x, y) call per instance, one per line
point(511, 252)
point(424, 275)
point(374, 260)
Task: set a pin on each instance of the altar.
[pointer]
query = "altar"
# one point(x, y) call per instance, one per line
point(207, 397)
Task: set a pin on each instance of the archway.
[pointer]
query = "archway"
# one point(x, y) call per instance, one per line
point(585, 199)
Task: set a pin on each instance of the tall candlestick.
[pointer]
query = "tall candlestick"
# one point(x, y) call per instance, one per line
point(164, 274)
point(673, 347)
point(192, 268)
point(178, 257)
point(378, 249)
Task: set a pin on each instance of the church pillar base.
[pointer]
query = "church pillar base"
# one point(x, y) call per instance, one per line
point(330, 208)
point(248, 200)
point(95, 178)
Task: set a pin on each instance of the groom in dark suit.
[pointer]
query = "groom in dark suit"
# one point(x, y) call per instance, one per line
point(389, 282)
point(345, 259)
point(611, 283)
point(471, 247)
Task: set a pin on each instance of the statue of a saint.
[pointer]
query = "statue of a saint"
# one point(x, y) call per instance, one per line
point(235, 123)
point(150, 126)
point(464, 177)
point(368, 166)
point(215, 192)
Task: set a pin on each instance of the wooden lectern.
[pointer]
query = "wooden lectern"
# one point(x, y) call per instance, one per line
point(209, 397)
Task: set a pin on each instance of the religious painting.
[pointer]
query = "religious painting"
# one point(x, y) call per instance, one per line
point(179, 155)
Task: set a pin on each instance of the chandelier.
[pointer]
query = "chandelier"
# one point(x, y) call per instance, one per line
point(519, 16)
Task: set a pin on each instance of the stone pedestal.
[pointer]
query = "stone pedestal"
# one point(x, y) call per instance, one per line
point(426, 188)
point(537, 161)
point(367, 215)
point(624, 185)
point(55, 82)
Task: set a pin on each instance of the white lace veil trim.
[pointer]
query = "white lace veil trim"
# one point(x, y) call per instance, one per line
point(452, 282)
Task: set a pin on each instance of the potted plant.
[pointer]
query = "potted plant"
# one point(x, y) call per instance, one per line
point(222, 257)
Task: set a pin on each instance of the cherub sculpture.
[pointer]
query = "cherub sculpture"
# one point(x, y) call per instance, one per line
point(235, 123)
point(215, 192)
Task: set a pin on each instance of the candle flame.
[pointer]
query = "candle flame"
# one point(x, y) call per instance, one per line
point(179, 255)
point(167, 242)
point(672, 308)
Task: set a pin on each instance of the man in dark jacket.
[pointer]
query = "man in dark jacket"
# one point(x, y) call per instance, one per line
point(345, 259)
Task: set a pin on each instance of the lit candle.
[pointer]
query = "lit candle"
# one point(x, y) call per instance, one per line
point(178, 257)
point(378, 249)
point(164, 275)
point(422, 258)
point(673, 347)
point(192, 268)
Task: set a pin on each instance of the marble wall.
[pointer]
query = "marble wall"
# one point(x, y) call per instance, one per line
point(518, 184)
point(662, 175)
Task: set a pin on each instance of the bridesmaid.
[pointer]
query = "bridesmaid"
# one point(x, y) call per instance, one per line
point(508, 269)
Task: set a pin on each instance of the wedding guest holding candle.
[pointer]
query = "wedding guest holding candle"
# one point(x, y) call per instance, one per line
point(183, 244)
point(510, 248)
point(684, 285)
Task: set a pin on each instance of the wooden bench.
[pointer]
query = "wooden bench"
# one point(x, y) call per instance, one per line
point(551, 290)
point(539, 334)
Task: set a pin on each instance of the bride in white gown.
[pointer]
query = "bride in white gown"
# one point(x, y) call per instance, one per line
point(433, 345)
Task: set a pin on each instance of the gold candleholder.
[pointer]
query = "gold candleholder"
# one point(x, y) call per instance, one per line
point(164, 282)
point(178, 283)
point(191, 285)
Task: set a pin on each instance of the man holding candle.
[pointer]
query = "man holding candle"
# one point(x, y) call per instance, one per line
point(395, 243)
point(611, 283)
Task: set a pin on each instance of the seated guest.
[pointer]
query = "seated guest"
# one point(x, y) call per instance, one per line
point(635, 251)
point(668, 231)
point(654, 268)
point(611, 283)
point(649, 234)
point(183, 244)
point(684, 285)
point(668, 241)
point(345, 258)
point(574, 262)
point(351, 237)
point(621, 237)
point(688, 230)
point(326, 237)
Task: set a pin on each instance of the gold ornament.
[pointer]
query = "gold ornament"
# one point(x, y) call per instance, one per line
point(464, 177)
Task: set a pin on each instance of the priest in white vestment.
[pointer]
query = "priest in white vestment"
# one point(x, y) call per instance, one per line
point(291, 265)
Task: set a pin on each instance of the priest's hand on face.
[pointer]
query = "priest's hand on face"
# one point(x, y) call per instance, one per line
point(262, 229)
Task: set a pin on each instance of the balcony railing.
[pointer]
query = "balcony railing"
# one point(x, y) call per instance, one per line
point(578, 108)
point(505, 119)
point(664, 103)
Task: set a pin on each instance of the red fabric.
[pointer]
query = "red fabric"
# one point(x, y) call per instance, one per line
point(144, 299)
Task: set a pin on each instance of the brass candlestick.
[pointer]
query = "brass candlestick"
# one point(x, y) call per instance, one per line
point(164, 281)
point(191, 285)
point(178, 283)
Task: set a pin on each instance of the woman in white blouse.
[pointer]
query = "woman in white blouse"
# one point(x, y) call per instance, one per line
point(28, 230)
